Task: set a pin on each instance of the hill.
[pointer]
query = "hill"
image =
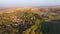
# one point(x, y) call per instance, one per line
point(26, 20)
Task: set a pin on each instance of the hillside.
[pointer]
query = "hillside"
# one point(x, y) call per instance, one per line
point(26, 20)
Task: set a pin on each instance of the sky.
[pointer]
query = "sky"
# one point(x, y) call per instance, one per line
point(19, 3)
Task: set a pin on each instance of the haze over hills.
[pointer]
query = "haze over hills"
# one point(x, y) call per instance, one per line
point(57, 6)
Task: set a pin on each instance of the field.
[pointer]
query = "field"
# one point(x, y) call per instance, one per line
point(26, 20)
